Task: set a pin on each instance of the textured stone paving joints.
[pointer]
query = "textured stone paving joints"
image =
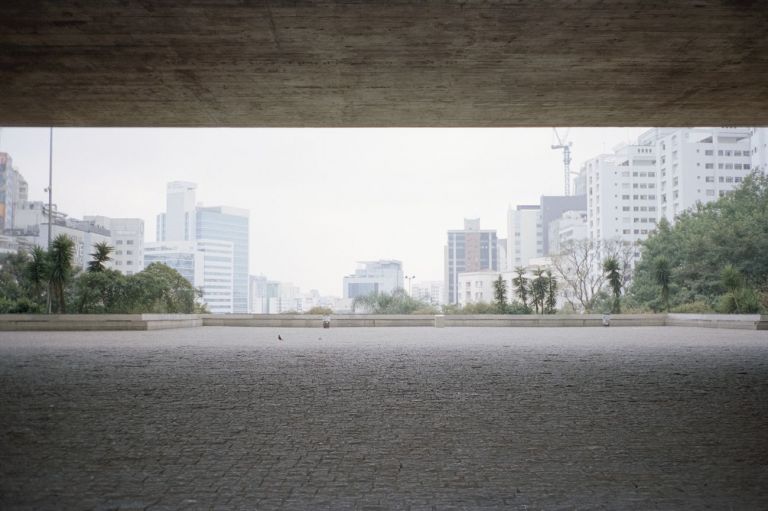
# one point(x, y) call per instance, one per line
point(388, 418)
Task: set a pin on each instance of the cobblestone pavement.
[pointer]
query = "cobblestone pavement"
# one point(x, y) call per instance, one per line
point(388, 418)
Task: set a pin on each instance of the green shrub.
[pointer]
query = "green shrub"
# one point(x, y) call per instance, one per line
point(697, 307)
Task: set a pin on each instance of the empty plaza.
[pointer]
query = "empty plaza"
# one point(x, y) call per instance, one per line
point(385, 418)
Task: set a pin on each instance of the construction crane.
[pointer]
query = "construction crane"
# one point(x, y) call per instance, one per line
point(562, 143)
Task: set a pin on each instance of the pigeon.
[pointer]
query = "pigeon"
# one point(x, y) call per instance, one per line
point(279, 338)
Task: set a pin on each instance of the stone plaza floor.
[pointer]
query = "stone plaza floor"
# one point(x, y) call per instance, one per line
point(385, 418)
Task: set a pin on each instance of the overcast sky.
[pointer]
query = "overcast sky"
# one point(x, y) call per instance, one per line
point(320, 199)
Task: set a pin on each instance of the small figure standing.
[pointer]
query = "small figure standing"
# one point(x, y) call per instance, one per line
point(326, 322)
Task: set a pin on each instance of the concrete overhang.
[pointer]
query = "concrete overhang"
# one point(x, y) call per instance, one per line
point(383, 63)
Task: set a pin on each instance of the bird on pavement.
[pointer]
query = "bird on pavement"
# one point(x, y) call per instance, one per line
point(279, 338)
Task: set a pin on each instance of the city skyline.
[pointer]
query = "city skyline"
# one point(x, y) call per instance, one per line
point(320, 200)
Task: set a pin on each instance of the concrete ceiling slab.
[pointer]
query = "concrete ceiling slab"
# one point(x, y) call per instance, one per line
point(383, 63)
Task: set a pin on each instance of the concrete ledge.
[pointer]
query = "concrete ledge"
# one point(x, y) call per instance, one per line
point(316, 321)
point(74, 322)
point(18, 322)
point(728, 321)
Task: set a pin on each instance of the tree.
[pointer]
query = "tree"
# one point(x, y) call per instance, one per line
point(161, 289)
point(60, 256)
point(579, 268)
point(551, 301)
point(101, 291)
point(521, 286)
point(100, 257)
point(500, 294)
point(321, 311)
point(397, 302)
point(12, 267)
point(36, 274)
point(732, 230)
point(738, 298)
point(663, 276)
point(539, 290)
point(615, 282)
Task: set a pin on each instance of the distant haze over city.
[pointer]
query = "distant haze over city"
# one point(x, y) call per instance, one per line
point(319, 199)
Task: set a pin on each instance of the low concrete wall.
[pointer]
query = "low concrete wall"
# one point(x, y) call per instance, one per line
point(316, 321)
point(15, 322)
point(74, 322)
point(554, 320)
point(728, 321)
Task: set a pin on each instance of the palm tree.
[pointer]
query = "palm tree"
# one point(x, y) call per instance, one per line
point(60, 257)
point(521, 285)
point(500, 294)
point(539, 290)
point(551, 303)
point(663, 276)
point(100, 257)
point(36, 272)
point(611, 269)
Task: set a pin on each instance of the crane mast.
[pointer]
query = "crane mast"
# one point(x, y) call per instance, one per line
point(563, 144)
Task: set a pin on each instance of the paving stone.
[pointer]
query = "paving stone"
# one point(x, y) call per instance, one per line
point(400, 418)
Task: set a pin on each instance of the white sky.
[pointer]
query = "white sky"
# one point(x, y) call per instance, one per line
point(320, 199)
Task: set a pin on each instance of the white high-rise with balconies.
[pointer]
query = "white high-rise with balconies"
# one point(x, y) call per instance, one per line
point(668, 171)
point(759, 149)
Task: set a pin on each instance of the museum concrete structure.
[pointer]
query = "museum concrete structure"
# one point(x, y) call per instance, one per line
point(665, 416)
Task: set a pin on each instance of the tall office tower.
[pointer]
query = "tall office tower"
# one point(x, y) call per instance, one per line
point(177, 223)
point(382, 276)
point(468, 249)
point(218, 275)
point(223, 223)
point(552, 207)
point(758, 142)
point(524, 235)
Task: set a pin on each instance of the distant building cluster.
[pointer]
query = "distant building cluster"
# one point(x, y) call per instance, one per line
point(621, 196)
point(618, 196)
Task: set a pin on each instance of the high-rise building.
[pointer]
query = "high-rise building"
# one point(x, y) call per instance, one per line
point(177, 223)
point(218, 275)
point(127, 241)
point(570, 227)
point(668, 171)
point(183, 220)
point(84, 234)
point(501, 244)
point(13, 190)
point(524, 235)
point(468, 249)
point(552, 207)
point(228, 224)
point(759, 149)
point(182, 256)
point(382, 276)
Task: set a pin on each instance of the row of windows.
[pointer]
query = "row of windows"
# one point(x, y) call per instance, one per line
point(729, 166)
point(640, 208)
point(636, 231)
point(639, 197)
point(710, 152)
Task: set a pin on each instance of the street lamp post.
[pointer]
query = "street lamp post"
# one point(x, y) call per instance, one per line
point(409, 278)
point(50, 205)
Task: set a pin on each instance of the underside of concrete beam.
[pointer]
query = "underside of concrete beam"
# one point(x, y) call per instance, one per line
point(383, 63)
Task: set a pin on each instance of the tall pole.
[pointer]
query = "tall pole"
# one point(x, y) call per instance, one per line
point(50, 205)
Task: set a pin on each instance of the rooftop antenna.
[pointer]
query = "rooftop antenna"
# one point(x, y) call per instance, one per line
point(562, 143)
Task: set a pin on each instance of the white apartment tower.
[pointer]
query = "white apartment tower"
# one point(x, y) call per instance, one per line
point(524, 236)
point(759, 149)
point(668, 171)
point(127, 241)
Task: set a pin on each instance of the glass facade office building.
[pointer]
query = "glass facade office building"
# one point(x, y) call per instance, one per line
point(229, 224)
